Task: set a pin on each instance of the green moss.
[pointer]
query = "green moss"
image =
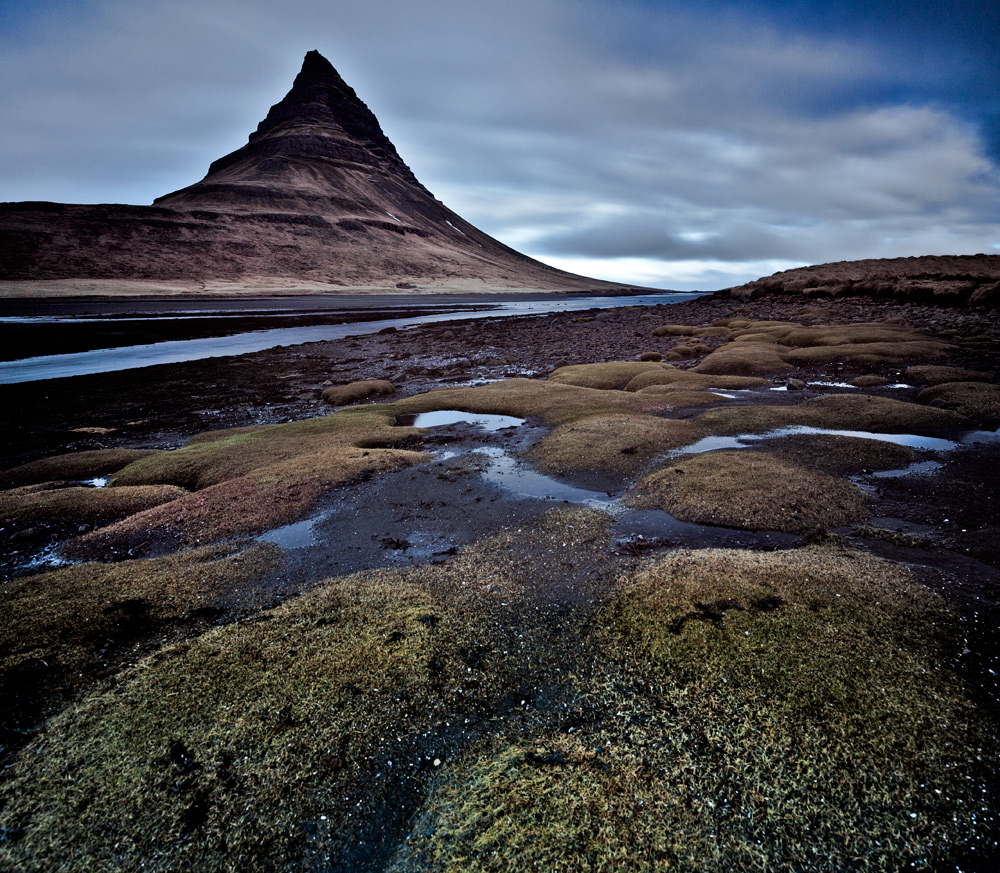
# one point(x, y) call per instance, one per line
point(746, 711)
point(750, 491)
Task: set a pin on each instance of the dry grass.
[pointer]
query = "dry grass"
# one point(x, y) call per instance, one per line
point(36, 504)
point(837, 412)
point(74, 467)
point(932, 374)
point(750, 491)
point(979, 401)
point(353, 392)
point(612, 443)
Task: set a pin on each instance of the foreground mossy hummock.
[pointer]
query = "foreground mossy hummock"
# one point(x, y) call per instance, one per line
point(535, 702)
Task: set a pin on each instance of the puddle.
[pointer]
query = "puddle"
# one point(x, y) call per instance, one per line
point(833, 384)
point(914, 441)
point(917, 468)
point(724, 394)
point(99, 482)
point(298, 535)
point(447, 417)
point(508, 473)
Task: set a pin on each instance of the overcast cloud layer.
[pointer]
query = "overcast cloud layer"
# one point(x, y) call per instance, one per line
point(675, 145)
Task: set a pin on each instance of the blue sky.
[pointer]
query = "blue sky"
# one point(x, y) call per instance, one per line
point(678, 145)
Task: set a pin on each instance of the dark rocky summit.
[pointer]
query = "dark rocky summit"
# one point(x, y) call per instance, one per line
point(318, 194)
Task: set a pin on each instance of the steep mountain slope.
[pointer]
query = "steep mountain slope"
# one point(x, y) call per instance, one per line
point(318, 196)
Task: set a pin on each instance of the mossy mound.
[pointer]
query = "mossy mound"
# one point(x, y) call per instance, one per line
point(932, 374)
point(248, 480)
point(676, 396)
point(689, 330)
point(611, 375)
point(689, 380)
point(354, 392)
point(73, 467)
point(980, 401)
point(554, 402)
point(611, 443)
point(838, 412)
point(776, 345)
point(67, 628)
point(840, 455)
point(745, 359)
point(747, 711)
point(869, 380)
point(36, 504)
point(750, 491)
point(306, 733)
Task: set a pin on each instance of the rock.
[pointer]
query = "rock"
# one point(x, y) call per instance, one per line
point(795, 384)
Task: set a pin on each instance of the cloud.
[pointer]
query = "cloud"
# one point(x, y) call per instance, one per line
point(628, 138)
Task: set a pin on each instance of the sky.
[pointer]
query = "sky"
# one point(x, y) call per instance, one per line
point(672, 144)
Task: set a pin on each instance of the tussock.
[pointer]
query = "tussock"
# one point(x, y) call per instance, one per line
point(979, 401)
point(750, 490)
point(36, 504)
point(353, 392)
point(73, 467)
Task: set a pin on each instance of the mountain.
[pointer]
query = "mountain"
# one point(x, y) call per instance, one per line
point(947, 279)
point(318, 198)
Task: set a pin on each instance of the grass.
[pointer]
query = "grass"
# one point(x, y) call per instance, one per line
point(719, 710)
point(933, 374)
point(838, 412)
point(688, 379)
point(763, 348)
point(611, 375)
point(745, 711)
point(750, 490)
point(353, 392)
point(65, 629)
point(73, 467)
point(620, 444)
point(979, 401)
point(35, 504)
point(840, 455)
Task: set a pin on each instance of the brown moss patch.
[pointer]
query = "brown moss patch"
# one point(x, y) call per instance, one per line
point(72, 467)
point(750, 491)
point(354, 392)
point(550, 401)
point(650, 356)
point(615, 374)
point(840, 455)
point(689, 380)
point(611, 443)
point(33, 504)
point(933, 374)
point(837, 412)
point(870, 354)
point(869, 380)
point(979, 401)
point(744, 359)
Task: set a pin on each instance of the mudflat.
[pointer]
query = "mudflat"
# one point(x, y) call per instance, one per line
point(709, 586)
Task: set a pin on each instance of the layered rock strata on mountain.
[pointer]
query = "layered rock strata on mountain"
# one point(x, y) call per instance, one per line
point(318, 193)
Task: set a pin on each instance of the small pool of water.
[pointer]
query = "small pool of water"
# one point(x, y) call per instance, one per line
point(298, 535)
point(743, 441)
point(507, 472)
point(446, 417)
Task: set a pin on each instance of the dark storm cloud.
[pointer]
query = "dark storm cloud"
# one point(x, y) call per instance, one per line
point(684, 145)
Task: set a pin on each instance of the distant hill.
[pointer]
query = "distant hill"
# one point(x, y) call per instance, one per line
point(317, 197)
point(959, 279)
